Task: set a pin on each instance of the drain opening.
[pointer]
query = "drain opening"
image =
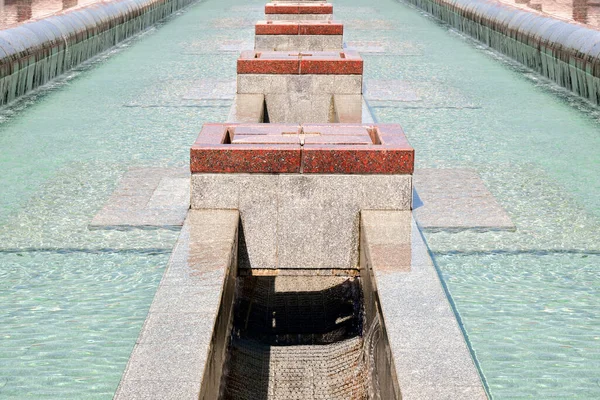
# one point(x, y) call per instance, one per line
point(297, 337)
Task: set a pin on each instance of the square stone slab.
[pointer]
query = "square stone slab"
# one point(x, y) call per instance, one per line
point(147, 198)
point(456, 199)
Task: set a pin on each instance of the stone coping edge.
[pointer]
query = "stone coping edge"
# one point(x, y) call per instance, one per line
point(279, 148)
point(299, 28)
point(37, 52)
point(427, 346)
point(298, 8)
point(180, 352)
point(568, 53)
point(300, 63)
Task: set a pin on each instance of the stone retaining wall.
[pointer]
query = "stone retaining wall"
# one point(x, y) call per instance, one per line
point(36, 52)
point(567, 53)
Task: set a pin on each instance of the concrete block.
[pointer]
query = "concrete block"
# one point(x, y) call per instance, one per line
point(303, 221)
point(296, 107)
point(348, 108)
point(262, 83)
point(347, 84)
point(258, 205)
point(323, 84)
point(298, 42)
point(247, 108)
point(210, 193)
point(158, 390)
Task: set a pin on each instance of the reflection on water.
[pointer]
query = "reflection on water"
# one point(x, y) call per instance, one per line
point(13, 12)
point(582, 11)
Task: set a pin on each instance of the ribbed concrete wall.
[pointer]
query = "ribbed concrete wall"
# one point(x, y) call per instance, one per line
point(36, 52)
point(567, 53)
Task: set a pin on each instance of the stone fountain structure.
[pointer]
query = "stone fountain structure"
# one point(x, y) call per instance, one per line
point(299, 272)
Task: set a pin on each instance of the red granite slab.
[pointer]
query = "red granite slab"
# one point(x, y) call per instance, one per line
point(276, 28)
point(322, 63)
point(289, 148)
point(320, 28)
point(315, 9)
point(318, 62)
point(298, 8)
point(245, 158)
point(299, 28)
point(254, 63)
point(350, 159)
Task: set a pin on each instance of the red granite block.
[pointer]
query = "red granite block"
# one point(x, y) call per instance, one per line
point(281, 62)
point(276, 28)
point(312, 148)
point(298, 8)
point(330, 63)
point(330, 67)
point(263, 66)
point(257, 158)
point(349, 159)
point(276, 8)
point(337, 129)
point(315, 9)
point(320, 28)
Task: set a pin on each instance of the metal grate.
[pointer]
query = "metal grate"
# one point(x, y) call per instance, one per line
point(297, 337)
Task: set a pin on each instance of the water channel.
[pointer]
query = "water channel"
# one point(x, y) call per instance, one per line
point(72, 301)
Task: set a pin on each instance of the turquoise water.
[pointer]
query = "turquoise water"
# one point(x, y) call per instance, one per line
point(72, 301)
point(529, 300)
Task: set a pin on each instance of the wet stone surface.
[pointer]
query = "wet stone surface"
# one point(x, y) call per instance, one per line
point(456, 199)
point(147, 198)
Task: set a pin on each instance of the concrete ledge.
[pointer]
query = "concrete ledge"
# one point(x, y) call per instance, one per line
point(299, 28)
point(285, 84)
point(298, 42)
point(303, 149)
point(430, 356)
point(178, 336)
point(300, 221)
point(58, 43)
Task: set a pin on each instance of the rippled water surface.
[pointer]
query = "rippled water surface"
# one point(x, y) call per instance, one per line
point(72, 301)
